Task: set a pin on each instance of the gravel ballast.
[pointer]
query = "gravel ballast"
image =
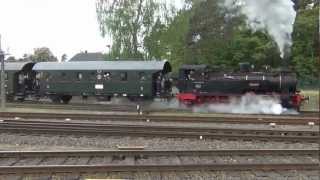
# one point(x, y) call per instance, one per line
point(183, 175)
point(51, 142)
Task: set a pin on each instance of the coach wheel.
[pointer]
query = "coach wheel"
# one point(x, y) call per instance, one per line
point(55, 99)
point(10, 98)
point(66, 99)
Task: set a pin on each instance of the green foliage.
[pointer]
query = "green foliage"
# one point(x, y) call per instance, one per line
point(203, 32)
point(64, 58)
point(168, 41)
point(11, 58)
point(42, 54)
point(129, 22)
point(306, 45)
point(225, 40)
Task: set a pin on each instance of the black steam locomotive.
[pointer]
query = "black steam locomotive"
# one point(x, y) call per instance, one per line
point(197, 84)
point(200, 84)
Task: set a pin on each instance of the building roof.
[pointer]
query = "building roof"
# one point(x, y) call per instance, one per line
point(88, 57)
point(15, 66)
point(104, 65)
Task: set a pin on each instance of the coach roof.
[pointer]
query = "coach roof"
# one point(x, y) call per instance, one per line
point(104, 65)
point(15, 66)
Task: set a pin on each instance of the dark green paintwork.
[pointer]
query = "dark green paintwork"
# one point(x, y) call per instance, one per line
point(69, 84)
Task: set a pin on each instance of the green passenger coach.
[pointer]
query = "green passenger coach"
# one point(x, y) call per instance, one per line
point(102, 79)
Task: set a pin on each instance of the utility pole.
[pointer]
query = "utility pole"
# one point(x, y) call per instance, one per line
point(3, 90)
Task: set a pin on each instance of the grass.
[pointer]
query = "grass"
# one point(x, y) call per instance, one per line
point(313, 103)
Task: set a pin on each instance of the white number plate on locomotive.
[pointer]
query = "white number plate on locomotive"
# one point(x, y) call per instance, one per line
point(99, 86)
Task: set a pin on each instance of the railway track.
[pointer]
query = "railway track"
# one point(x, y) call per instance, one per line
point(87, 107)
point(91, 128)
point(112, 107)
point(179, 118)
point(23, 162)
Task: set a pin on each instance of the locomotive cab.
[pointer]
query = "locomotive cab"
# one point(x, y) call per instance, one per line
point(189, 75)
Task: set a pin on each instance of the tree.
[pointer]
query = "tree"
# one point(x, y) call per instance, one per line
point(64, 58)
point(26, 57)
point(11, 58)
point(169, 41)
point(306, 45)
point(42, 54)
point(215, 36)
point(128, 23)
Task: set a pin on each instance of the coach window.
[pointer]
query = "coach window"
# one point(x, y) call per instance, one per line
point(79, 76)
point(107, 75)
point(6, 76)
point(47, 76)
point(63, 74)
point(123, 76)
point(142, 76)
point(92, 75)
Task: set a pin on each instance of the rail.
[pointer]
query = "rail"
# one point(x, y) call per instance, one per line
point(65, 127)
point(124, 161)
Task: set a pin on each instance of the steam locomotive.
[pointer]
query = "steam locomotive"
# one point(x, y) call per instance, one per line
point(200, 84)
point(197, 84)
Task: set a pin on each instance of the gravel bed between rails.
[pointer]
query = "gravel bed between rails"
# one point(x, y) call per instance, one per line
point(189, 175)
point(10, 141)
point(158, 160)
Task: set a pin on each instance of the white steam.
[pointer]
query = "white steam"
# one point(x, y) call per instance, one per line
point(277, 17)
point(248, 104)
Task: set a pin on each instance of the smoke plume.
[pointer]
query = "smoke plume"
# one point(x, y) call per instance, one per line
point(276, 17)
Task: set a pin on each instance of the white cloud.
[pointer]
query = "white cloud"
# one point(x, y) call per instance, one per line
point(65, 26)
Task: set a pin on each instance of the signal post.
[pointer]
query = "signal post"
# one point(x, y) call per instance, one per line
point(3, 91)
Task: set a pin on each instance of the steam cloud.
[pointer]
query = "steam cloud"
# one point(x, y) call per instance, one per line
point(277, 17)
point(247, 104)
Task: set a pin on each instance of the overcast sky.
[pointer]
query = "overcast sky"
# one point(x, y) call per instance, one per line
point(65, 26)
